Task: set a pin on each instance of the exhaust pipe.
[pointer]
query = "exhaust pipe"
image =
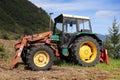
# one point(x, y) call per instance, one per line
point(50, 22)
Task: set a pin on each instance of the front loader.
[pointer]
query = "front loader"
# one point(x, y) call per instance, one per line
point(72, 39)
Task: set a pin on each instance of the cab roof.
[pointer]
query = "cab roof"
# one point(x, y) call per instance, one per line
point(75, 16)
point(60, 17)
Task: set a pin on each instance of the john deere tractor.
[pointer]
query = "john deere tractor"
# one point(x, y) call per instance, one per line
point(72, 39)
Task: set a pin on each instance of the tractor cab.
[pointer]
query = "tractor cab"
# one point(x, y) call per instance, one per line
point(67, 27)
point(72, 24)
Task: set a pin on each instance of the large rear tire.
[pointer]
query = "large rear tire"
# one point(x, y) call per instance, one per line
point(86, 51)
point(40, 58)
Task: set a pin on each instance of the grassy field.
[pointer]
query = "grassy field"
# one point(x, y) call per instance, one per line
point(112, 71)
point(113, 67)
point(113, 64)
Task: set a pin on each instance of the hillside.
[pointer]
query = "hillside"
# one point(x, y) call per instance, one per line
point(21, 17)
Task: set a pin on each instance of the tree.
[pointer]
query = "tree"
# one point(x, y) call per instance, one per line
point(112, 41)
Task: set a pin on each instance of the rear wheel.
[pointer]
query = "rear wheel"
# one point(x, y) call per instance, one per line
point(86, 51)
point(40, 58)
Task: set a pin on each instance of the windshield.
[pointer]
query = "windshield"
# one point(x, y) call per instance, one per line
point(84, 25)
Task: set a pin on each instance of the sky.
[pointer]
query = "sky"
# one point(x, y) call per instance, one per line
point(101, 12)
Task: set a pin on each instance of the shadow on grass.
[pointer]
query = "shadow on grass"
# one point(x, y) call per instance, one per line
point(57, 62)
point(21, 64)
point(61, 62)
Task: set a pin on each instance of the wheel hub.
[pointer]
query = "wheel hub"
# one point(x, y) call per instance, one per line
point(87, 52)
point(41, 58)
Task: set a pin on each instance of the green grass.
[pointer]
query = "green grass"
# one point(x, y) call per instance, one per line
point(112, 67)
point(113, 64)
point(117, 76)
point(63, 63)
point(2, 49)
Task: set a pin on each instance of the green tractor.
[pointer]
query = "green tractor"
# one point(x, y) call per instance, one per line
point(75, 40)
point(71, 39)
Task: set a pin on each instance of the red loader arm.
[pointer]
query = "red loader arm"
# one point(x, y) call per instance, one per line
point(43, 38)
point(19, 48)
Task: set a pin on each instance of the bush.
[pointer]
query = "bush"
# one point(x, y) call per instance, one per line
point(2, 49)
point(5, 36)
point(3, 54)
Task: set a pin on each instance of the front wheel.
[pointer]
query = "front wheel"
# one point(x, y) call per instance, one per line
point(40, 58)
point(86, 51)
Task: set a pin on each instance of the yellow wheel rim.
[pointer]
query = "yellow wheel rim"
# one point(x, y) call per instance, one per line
point(41, 58)
point(88, 51)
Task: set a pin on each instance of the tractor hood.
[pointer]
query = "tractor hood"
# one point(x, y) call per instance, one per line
point(55, 37)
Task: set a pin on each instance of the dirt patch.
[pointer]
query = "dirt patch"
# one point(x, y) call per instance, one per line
point(56, 73)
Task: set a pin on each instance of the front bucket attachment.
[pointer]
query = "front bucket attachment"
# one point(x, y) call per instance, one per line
point(19, 48)
point(14, 60)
